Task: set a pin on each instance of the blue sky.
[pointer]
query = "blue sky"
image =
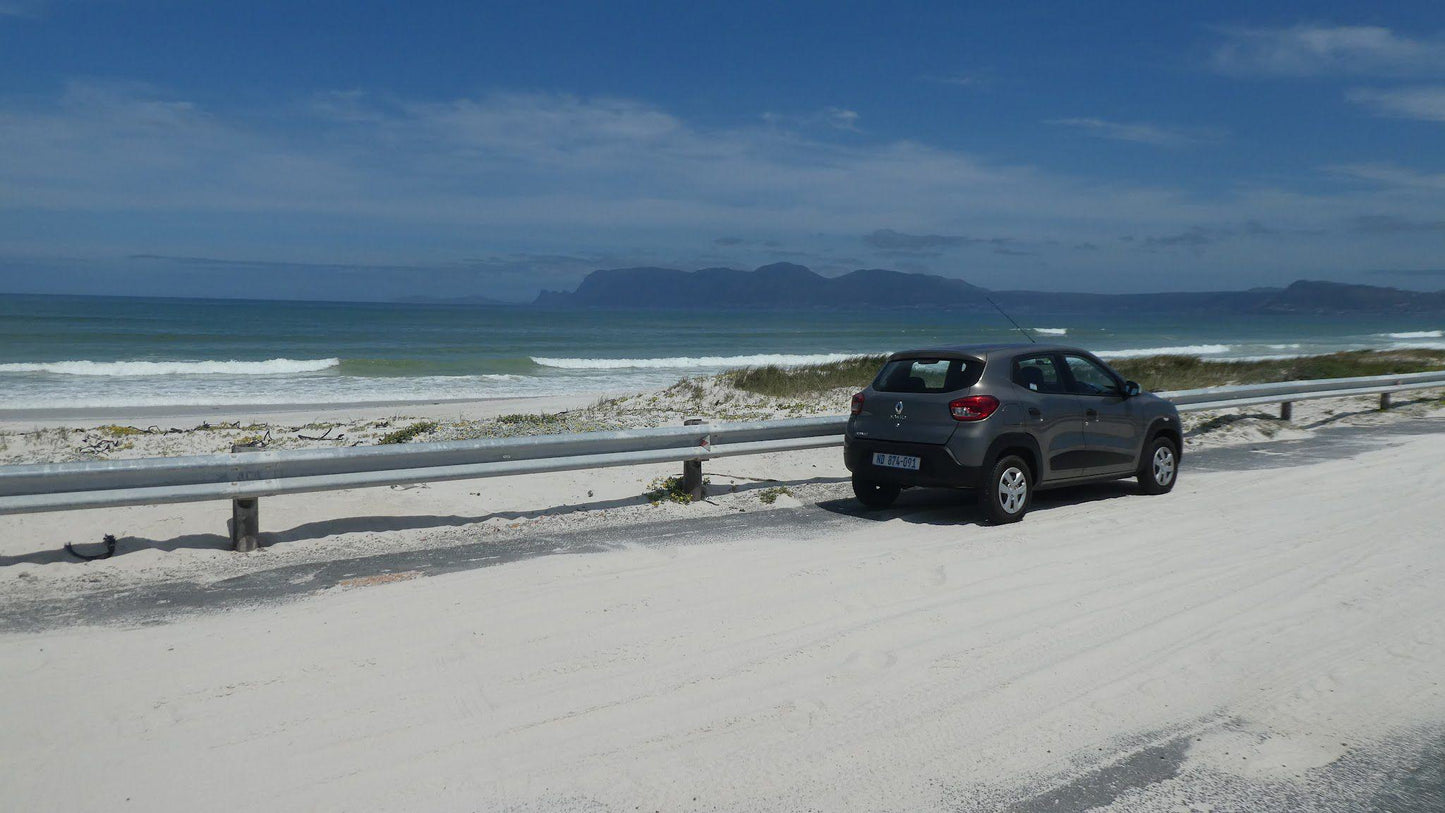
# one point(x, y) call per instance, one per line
point(374, 150)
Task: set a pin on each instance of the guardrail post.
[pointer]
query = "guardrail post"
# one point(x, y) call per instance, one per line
point(1384, 401)
point(692, 482)
point(245, 524)
point(245, 516)
point(1286, 411)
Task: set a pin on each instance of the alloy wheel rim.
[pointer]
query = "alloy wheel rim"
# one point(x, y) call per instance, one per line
point(1013, 489)
point(1163, 465)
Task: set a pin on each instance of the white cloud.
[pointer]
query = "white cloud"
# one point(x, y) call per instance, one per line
point(842, 119)
point(1390, 175)
point(964, 80)
point(352, 175)
point(1313, 50)
point(1137, 132)
point(835, 118)
point(1427, 103)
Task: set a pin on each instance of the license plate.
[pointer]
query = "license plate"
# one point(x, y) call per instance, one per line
point(895, 461)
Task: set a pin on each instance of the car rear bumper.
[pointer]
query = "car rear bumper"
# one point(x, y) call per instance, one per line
point(936, 466)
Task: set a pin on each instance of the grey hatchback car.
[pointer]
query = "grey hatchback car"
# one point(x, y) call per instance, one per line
point(1006, 420)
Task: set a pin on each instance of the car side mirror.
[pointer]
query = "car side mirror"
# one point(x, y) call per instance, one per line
point(1131, 389)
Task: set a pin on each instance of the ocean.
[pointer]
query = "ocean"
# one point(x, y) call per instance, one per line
point(121, 352)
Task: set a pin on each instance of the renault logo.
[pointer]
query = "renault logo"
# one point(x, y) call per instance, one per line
point(898, 409)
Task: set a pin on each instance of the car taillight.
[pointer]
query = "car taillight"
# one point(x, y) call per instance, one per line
point(857, 403)
point(973, 408)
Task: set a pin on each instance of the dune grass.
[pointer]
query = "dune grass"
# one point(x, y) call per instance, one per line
point(1161, 373)
point(1157, 373)
point(809, 379)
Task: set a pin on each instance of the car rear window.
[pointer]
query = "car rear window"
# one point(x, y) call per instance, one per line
point(928, 375)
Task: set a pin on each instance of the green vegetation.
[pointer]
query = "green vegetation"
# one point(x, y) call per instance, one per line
point(690, 388)
point(1158, 373)
point(118, 431)
point(669, 489)
point(1161, 373)
point(771, 495)
point(810, 379)
point(542, 423)
point(528, 425)
point(408, 433)
point(604, 402)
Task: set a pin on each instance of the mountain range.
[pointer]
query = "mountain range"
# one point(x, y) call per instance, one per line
point(789, 286)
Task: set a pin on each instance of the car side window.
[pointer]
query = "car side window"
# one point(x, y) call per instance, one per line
point(1038, 373)
point(1089, 378)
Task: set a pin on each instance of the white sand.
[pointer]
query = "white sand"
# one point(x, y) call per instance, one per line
point(190, 541)
point(189, 416)
point(899, 665)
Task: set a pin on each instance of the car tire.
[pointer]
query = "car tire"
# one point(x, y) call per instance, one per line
point(873, 493)
point(1007, 491)
point(1158, 466)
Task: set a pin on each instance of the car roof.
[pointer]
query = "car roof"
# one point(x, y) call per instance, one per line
point(983, 352)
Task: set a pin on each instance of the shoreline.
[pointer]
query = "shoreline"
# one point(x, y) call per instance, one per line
point(744, 394)
point(189, 540)
point(168, 417)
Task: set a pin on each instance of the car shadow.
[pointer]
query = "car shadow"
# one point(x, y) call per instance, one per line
point(1221, 421)
point(944, 506)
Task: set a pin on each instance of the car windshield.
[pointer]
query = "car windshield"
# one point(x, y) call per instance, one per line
point(928, 375)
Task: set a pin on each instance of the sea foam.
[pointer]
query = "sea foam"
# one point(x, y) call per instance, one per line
point(1182, 350)
point(150, 368)
point(688, 362)
point(1051, 331)
point(1416, 334)
point(141, 391)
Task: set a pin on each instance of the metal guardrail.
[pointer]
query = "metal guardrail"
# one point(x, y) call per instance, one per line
point(243, 477)
point(1289, 391)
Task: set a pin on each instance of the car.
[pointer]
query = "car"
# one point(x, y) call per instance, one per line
point(1006, 420)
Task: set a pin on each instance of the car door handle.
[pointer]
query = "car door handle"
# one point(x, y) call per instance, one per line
point(1035, 413)
point(1091, 414)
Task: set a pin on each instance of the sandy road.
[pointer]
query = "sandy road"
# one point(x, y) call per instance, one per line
point(1265, 639)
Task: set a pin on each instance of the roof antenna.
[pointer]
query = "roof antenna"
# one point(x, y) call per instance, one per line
point(1011, 320)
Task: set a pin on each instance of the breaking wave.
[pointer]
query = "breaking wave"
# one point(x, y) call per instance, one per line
point(151, 368)
point(59, 393)
point(1182, 350)
point(1051, 331)
point(1416, 334)
point(691, 362)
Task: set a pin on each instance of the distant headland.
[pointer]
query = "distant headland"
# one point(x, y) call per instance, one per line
point(783, 286)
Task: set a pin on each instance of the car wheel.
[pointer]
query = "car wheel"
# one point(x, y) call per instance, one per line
point(1159, 467)
point(1007, 491)
point(873, 493)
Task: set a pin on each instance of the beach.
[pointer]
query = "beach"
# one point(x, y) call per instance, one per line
point(1106, 344)
point(190, 540)
point(1266, 634)
point(1266, 637)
